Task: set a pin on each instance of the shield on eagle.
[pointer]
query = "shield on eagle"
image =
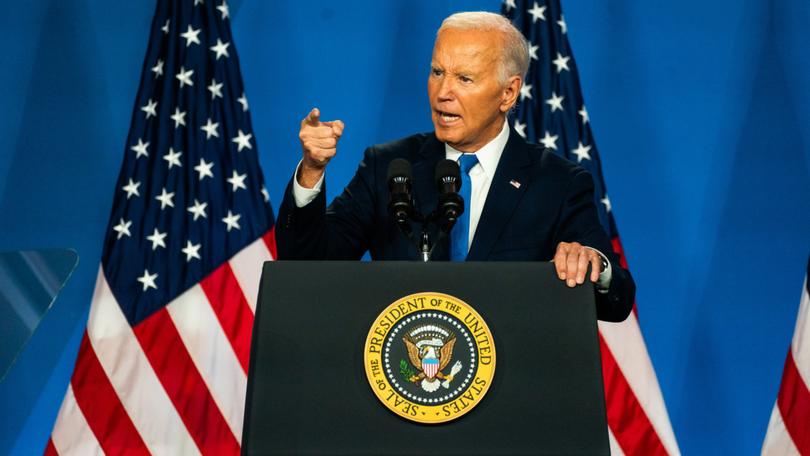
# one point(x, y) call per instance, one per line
point(430, 349)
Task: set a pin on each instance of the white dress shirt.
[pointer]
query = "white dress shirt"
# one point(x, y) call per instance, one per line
point(481, 176)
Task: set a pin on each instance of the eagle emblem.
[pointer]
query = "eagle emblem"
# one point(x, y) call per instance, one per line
point(430, 350)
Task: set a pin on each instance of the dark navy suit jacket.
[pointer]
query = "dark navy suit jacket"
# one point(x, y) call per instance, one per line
point(553, 202)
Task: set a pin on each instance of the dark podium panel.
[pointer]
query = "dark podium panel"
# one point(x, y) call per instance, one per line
point(307, 389)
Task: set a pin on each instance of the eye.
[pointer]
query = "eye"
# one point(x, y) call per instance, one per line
point(465, 79)
point(436, 72)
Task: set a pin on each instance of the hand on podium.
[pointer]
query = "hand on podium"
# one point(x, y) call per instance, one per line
point(572, 260)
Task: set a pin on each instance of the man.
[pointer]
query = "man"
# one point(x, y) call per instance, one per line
point(526, 204)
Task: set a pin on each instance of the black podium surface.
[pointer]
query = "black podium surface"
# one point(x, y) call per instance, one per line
point(308, 392)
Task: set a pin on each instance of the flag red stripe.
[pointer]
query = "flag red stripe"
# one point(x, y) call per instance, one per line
point(101, 406)
point(269, 239)
point(232, 310)
point(184, 385)
point(619, 249)
point(626, 418)
point(794, 405)
point(50, 450)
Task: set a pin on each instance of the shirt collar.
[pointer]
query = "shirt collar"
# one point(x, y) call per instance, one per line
point(489, 155)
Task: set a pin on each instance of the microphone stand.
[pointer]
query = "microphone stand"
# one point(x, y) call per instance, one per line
point(425, 247)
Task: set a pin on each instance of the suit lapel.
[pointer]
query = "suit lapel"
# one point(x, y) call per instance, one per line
point(503, 196)
point(424, 187)
point(425, 192)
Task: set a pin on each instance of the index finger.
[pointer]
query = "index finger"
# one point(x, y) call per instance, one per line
point(313, 118)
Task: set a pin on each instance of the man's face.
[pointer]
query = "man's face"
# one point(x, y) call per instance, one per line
point(468, 103)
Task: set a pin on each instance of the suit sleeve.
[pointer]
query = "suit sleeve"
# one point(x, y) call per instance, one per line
point(579, 222)
point(340, 232)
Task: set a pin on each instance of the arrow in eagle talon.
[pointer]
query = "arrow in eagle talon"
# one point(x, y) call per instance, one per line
point(455, 370)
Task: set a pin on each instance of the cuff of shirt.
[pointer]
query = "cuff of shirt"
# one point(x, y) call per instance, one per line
point(603, 283)
point(303, 195)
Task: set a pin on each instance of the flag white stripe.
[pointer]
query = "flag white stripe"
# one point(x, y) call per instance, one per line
point(212, 354)
point(615, 449)
point(630, 352)
point(247, 268)
point(71, 433)
point(777, 440)
point(132, 377)
point(801, 338)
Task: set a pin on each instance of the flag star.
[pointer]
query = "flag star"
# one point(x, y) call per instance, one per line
point(179, 118)
point(204, 169)
point(210, 129)
point(606, 202)
point(237, 181)
point(192, 251)
point(221, 49)
point(123, 228)
point(158, 68)
point(131, 188)
point(148, 280)
point(197, 2)
point(561, 62)
point(584, 113)
point(191, 35)
point(140, 149)
point(555, 102)
point(549, 141)
point(215, 89)
point(266, 194)
point(243, 140)
point(198, 209)
point(533, 51)
point(525, 91)
point(509, 4)
point(150, 109)
point(223, 8)
point(165, 27)
point(185, 77)
point(562, 24)
point(537, 12)
point(232, 221)
point(173, 158)
point(243, 101)
point(582, 152)
point(157, 239)
point(520, 128)
point(165, 199)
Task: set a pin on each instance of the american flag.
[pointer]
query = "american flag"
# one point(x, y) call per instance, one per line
point(789, 426)
point(162, 366)
point(551, 111)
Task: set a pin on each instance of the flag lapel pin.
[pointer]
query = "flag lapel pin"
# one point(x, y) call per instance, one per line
point(514, 183)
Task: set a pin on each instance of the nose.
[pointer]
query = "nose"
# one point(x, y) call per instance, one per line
point(446, 89)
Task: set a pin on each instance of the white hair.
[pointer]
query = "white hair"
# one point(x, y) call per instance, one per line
point(514, 60)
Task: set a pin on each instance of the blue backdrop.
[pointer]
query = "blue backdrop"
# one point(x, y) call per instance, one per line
point(701, 110)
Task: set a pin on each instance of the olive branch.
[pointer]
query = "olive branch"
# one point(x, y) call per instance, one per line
point(405, 370)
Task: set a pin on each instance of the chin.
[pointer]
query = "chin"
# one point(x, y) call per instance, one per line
point(443, 135)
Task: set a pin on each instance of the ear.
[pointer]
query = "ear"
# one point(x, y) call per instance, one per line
point(511, 90)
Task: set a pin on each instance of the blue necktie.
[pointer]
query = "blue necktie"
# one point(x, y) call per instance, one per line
point(460, 234)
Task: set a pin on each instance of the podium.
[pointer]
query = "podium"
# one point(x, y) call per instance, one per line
point(309, 391)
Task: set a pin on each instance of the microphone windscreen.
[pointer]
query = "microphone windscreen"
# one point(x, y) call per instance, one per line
point(399, 167)
point(448, 168)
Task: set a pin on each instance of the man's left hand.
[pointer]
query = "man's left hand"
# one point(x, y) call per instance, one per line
point(572, 260)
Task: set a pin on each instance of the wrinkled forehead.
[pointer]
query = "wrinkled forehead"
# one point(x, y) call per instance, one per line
point(467, 47)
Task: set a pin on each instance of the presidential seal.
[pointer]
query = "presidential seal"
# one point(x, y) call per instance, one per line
point(429, 357)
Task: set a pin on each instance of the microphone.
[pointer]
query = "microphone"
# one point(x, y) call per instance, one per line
point(451, 204)
point(400, 205)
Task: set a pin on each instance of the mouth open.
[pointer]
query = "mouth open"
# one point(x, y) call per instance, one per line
point(446, 118)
